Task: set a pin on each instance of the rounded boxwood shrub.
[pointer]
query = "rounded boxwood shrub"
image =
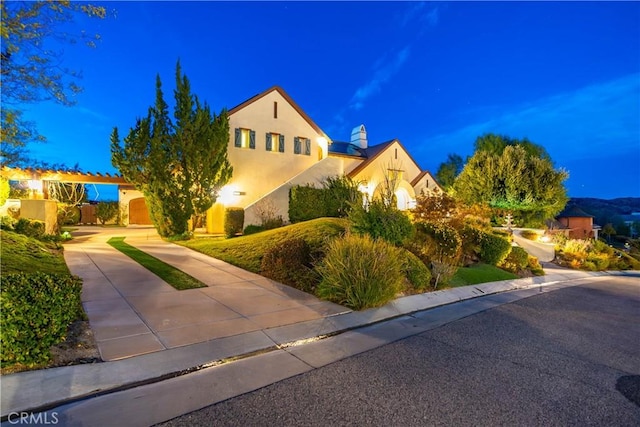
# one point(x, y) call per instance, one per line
point(416, 272)
point(360, 272)
point(289, 262)
point(37, 309)
point(493, 249)
point(517, 260)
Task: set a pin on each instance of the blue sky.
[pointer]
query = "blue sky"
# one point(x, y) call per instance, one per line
point(434, 75)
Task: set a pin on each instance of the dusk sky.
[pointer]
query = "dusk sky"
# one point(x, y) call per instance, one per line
point(434, 75)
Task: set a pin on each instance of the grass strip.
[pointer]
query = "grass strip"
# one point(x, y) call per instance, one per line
point(173, 276)
point(479, 273)
point(247, 251)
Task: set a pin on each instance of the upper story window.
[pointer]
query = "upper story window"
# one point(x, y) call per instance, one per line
point(302, 146)
point(245, 138)
point(275, 109)
point(275, 142)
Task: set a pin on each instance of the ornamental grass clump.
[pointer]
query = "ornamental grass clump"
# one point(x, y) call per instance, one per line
point(360, 272)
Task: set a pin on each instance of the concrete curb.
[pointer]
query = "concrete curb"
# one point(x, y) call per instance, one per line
point(41, 390)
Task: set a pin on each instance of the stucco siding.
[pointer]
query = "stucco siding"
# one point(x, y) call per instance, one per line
point(279, 197)
point(258, 171)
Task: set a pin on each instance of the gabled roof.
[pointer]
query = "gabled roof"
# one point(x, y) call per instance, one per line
point(288, 99)
point(574, 212)
point(375, 151)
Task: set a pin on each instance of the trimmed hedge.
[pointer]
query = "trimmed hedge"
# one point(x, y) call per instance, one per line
point(305, 203)
point(37, 309)
point(289, 262)
point(233, 221)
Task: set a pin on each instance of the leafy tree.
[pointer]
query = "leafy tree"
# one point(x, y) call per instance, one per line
point(449, 170)
point(495, 144)
point(30, 68)
point(608, 230)
point(178, 166)
point(513, 180)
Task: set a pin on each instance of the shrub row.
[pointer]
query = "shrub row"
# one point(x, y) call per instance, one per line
point(37, 309)
point(30, 227)
point(335, 199)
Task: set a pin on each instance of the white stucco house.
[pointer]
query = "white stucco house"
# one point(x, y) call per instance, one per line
point(274, 145)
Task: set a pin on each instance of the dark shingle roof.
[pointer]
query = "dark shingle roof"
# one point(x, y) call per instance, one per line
point(574, 211)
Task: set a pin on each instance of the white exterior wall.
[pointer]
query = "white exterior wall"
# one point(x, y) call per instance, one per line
point(125, 195)
point(330, 166)
point(257, 172)
point(428, 185)
point(375, 172)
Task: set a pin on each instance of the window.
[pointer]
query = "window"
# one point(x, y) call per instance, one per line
point(302, 146)
point(275, 142)
point(275, 109)
point(245, 138)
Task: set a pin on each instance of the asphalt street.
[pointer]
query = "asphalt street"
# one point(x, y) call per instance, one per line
point(564, 358)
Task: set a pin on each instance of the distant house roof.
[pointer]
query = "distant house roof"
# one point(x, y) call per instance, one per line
point(574, 212)
point(288, 99)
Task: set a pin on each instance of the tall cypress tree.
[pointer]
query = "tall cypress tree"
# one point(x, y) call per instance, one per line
point(178, 166)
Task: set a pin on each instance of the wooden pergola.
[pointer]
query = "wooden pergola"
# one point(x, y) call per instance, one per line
point(16, 174)
point(34, 175)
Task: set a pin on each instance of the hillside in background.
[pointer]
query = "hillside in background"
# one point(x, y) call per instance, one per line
point(607, 211)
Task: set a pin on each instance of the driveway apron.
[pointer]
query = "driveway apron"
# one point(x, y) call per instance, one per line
point(132, 311)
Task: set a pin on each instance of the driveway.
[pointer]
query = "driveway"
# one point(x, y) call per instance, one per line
point(545, 252)
point(132, 311)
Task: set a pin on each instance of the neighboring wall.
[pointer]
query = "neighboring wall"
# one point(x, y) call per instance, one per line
point(579, 228)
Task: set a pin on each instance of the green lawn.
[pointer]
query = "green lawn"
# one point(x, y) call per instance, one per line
point(247, 251)
point(176, 278)
point(479, 273)
point(19, 253)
